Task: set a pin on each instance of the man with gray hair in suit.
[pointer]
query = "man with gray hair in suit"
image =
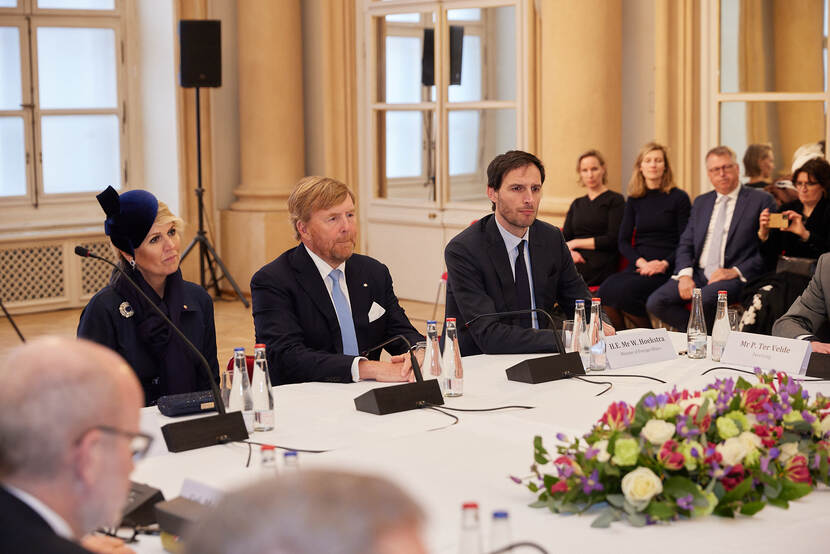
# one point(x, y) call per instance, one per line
point(310, 512)
point(809, 316)
point(69, 431)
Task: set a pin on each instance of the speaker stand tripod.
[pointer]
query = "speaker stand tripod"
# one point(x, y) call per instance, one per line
point(207, 254)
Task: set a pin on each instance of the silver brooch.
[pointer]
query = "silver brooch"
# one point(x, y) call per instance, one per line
point(126, 310)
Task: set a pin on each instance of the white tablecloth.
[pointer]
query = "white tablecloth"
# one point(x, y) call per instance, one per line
point(471, 461)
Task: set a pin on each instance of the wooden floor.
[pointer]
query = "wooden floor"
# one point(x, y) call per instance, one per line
point(234, 325)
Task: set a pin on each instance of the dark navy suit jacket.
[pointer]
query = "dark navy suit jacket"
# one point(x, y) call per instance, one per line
point(22, 530)
point(294, 317)
point(742, 244)
point(479, 281)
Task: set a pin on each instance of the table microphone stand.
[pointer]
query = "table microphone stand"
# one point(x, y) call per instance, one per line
point(9, 317)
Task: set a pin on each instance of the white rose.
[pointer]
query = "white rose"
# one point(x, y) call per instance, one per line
point(657, 431)
point(750, 440)
point(752, 419)
point(640, 486)
point(788, 450)
point(603, 455)
point(733, 450)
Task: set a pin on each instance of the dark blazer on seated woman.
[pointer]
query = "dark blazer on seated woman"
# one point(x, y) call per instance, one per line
point(599, 218)
point(789, 244)
point(146, 238)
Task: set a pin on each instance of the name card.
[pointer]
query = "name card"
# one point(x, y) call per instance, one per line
point(200, 492)
point(749, 349)
point(644, 346)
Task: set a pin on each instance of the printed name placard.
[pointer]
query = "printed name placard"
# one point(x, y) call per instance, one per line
point(644, 346)
point(749, 349)
point(200, 492)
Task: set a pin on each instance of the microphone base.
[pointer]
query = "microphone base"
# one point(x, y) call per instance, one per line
point(548, 368)
point(399, 398)
point(819, 366)
point(205, 431)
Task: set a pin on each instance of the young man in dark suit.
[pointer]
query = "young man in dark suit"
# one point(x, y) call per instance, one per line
point(719, 250)
point(69, 432)
point(510, 260)
point(318, 306)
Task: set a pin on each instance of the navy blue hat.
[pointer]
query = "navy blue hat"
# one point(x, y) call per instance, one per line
point(129, 216)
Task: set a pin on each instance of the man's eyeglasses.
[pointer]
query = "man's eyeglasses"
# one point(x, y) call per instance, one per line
point(720, 169)
point(139, 442)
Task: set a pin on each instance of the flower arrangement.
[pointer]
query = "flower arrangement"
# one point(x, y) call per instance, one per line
point(733, 447)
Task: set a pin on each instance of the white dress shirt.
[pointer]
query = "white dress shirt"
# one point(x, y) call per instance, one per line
point(731, 201)
point(324, 268)
point(511, 243)
point(50, 516)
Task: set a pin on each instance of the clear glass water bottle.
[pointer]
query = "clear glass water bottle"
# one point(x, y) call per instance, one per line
point(432, 357)
point(268, 459)
point(597, 337)
point(453, 376)
point(261, 391)
point(240, 400)
point(581, 343)
point(721, 327)
point(696, 331)
point(290, 461)
point(469, 542)
point(500, 535)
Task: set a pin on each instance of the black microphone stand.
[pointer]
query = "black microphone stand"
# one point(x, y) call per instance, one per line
point(14, 325)
point(400, 398)
point(207, 254)
point(195, 433)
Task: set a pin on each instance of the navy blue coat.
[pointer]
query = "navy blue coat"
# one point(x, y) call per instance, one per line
point(23, 530)
point(294, 317)
point(102, 322)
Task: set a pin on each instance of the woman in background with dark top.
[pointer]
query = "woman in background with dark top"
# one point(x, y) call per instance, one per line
point(593, 221)
point(655, 216)
point(146, 238)
point(807, 234)
point(759, 163)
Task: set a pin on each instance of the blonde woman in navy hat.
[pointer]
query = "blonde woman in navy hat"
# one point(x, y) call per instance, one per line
point(146, 238)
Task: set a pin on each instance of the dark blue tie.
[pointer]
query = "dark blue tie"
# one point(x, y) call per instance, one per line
point(522, 287)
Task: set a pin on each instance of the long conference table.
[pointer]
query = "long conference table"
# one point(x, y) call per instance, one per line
point(444, 465)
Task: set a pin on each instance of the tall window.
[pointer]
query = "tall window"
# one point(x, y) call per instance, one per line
point(765, 75)
point(62, 107)
point(444, 97)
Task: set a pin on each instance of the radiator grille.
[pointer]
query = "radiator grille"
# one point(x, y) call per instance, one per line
point(94, 274)
point(32, 273)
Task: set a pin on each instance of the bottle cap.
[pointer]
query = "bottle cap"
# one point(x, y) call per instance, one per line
point(596, 299)
point(431, 321)
point(259, 345)
point(239, 349)
point(265, 447)
point(290, 454)
point(469, 506)
point(500, 514)
point(580, 301)
point(450, 319)
point(721, 292)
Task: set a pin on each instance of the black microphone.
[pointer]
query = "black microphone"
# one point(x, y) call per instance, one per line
point(413, 360)
point(400, 398)
point(540, 370)
point(195, 433)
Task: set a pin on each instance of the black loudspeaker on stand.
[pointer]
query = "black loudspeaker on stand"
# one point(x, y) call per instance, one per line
point(201, 66)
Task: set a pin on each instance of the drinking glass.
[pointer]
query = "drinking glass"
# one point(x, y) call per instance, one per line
point(734, 320)
point(568, 335)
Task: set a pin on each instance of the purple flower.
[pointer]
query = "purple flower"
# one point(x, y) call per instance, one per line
point(590, 453)
point(650, 401)
point(565, 471)
point(562, 437)
point(684, 429)
point(774, 453)
point(808, 417)
point(695, 454)
point(765, 460)
point(516, 480)
point(685, 502)
point(804, 394)
point(591, 484)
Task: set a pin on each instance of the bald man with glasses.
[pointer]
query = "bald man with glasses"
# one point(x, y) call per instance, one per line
point(69, 433)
